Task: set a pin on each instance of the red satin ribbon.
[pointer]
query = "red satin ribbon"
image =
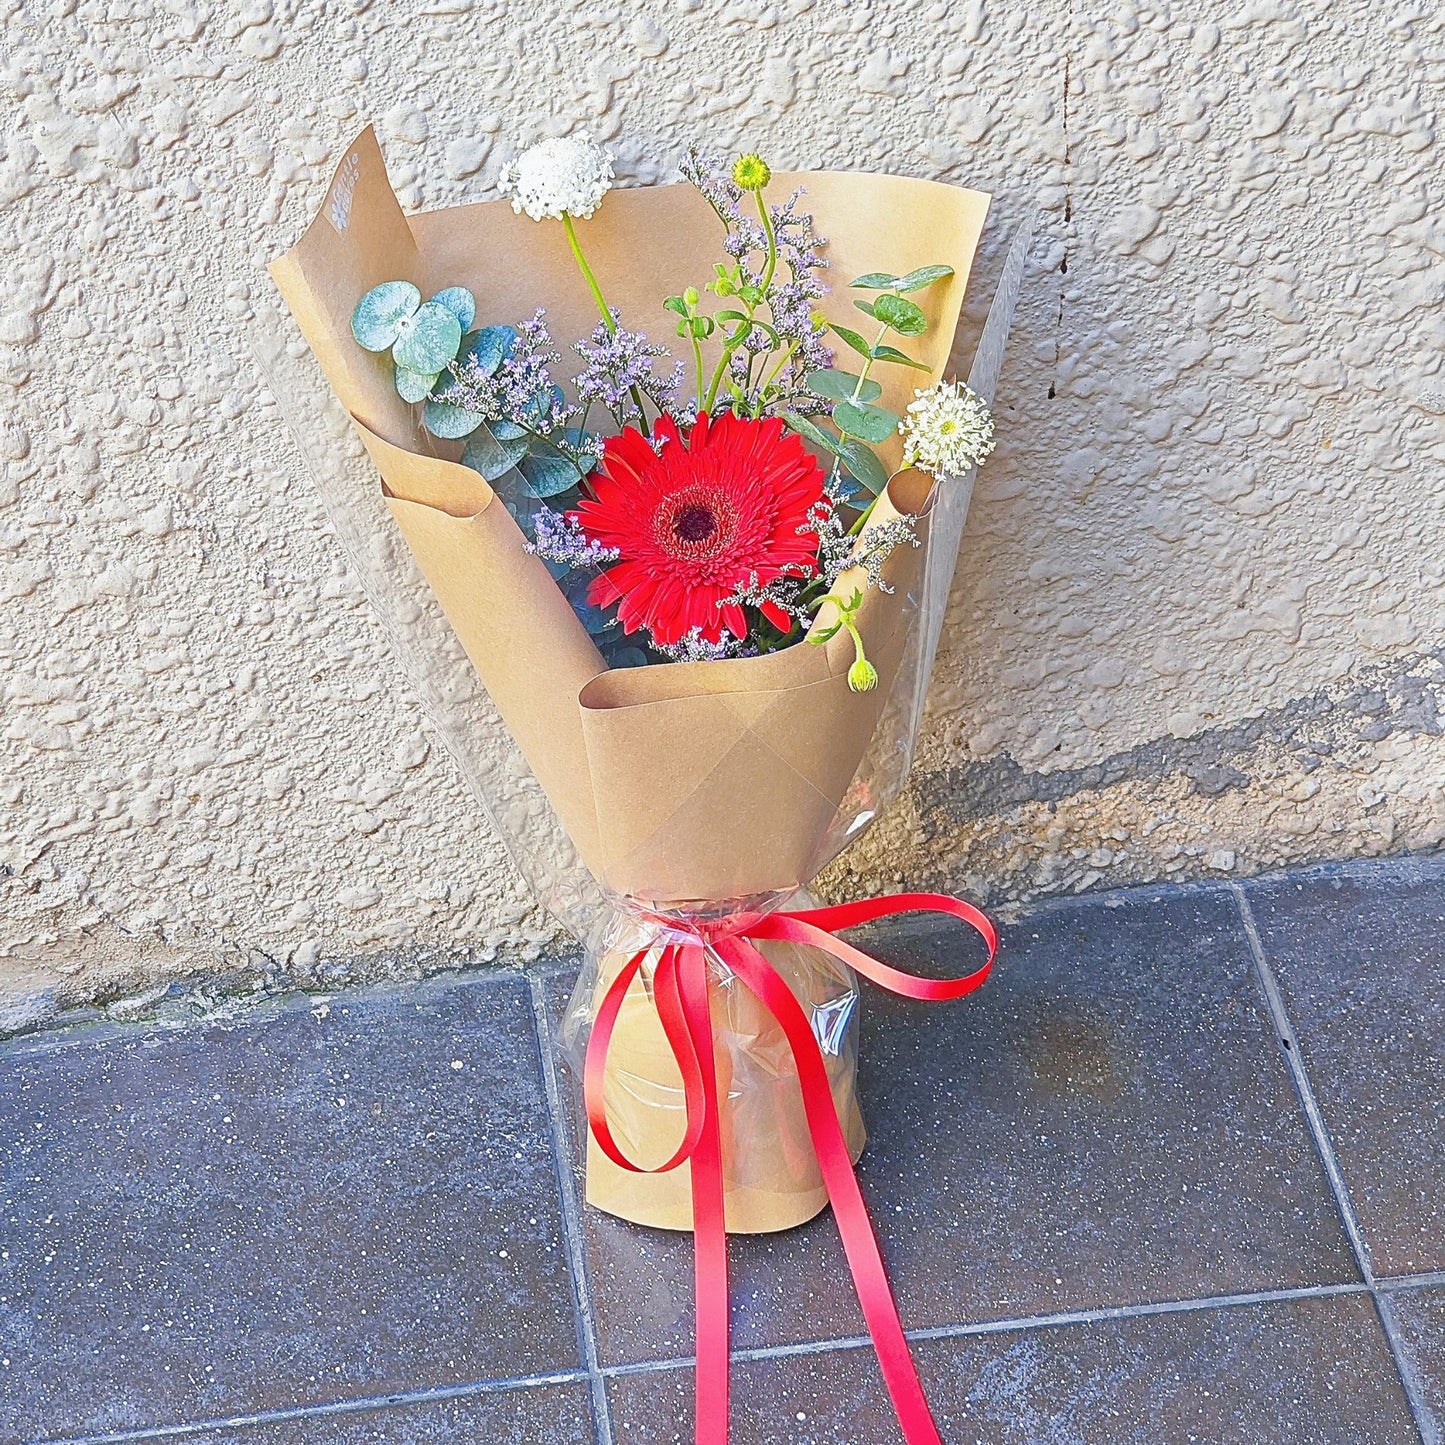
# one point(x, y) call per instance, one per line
point(680, 994)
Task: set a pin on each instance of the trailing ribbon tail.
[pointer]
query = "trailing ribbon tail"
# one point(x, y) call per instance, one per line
point(680, 992)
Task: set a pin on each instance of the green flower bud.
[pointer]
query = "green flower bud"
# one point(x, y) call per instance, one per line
point(862, 676)
point(751, 172)
point(691, 296)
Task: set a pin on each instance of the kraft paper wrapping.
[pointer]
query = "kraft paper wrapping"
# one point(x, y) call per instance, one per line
point(678, 783)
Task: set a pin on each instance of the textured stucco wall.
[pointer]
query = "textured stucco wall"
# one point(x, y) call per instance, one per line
point(1199, 620)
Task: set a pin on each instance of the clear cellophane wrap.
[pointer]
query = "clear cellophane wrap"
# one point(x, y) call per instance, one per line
point(637, 802)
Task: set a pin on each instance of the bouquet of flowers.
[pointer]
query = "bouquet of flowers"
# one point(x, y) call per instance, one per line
point(702, 585)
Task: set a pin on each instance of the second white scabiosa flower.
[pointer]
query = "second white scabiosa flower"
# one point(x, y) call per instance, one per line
point(558, 177)
point(948, 430)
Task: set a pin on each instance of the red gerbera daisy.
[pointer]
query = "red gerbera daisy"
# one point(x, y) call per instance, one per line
point(696, 520)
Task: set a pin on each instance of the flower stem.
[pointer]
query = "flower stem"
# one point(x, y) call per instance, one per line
point(601, 301)
point(772, 262)
point(857, 392)
point(586, 270)
point(770, 266)
point(697, 358)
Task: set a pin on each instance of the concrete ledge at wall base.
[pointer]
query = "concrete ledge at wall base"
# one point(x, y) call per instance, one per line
point(32, 999)
point(1353, 770)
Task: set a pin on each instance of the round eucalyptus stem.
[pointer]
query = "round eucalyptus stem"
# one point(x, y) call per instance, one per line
point(857, 392)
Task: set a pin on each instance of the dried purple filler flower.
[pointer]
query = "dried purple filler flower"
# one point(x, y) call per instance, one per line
point(558, 537)
point(617, 369)
point(519, 389)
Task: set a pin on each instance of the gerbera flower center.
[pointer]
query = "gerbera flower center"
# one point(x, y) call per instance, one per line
point(695, 523)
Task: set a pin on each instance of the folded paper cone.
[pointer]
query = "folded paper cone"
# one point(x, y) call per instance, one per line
point(690, 781)
point(686, 783)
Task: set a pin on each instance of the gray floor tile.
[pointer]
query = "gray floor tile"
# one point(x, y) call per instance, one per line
point(537, 1415)
point(331, 1201)
point(1419, 1318)
point(1311, 1372)
point(1108, 1122)
point(1360, 957)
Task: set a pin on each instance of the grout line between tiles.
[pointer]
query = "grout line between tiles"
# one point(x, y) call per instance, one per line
point(436, 1394)
point(1397, 1282)
point(1289, 1040)
point(571, 1219)
point(768, 1352)
point(1021, 1323)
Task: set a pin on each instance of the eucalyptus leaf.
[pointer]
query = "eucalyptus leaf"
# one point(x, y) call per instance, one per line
point(442, 419)
point(628, 656)
point(853, 339)
point(901, 358)
point(549, 398)
point(866, 307)
point(410, 386)
point(460, 302)
point(379, 315)
point(547, 473)
point(864, 467)
point(923, 276)
point(490, 455)
point(506, 431)
point(839, 386)
point(485, 349)
point(872, 423)
point(595, 619)
point(875, 281)
point(493, 455)
point(810, 431)
point(904, 316)
point(428, 339)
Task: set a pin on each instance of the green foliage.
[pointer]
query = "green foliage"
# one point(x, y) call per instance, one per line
point(412, 387)
point(871, 423)
point(917, 280)
point(486, 349)
point(460, 302)
point(377, 321)
point(900, 314)
point(810, 431)
point(924, 276)
point(892, 353)
point(851, 338)
point(444, 420)
point(548, 471)
point(427, 339)
point(863, 466)
point(835, 385)
point(491, 455)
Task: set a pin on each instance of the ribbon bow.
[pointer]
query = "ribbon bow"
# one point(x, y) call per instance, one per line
point(680, 994)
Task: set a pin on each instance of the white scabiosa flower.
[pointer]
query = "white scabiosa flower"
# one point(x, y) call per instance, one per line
point(948, 430)
point(558, 177)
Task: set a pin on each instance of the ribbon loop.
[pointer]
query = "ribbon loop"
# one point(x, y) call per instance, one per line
point(680, 993)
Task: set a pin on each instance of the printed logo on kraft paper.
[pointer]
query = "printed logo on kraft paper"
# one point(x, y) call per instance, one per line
point(338, 206)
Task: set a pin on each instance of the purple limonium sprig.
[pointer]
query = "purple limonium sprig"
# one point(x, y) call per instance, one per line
point(520, 389)
point(558, 537)
point(790, 296)
point(617, 368)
